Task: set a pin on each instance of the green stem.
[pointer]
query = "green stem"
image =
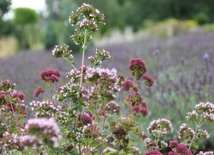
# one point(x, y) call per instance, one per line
point(51, 93)
point(197, 126)
point(83, 57)
point(69, 62)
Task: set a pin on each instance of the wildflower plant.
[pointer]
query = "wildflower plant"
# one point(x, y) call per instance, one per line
point(189, 133)
point(83, 116)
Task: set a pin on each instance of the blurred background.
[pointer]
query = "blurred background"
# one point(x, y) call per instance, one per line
point(42, 24)
point(174, 37)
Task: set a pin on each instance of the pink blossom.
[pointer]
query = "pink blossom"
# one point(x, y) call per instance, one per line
point(148, 80)
point(50, 75)
point(153, 152)
point(38, 91)
point(19, 95)
point(127, 84)
point(138, 67)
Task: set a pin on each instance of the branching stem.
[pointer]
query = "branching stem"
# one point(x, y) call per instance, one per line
point(83, 57)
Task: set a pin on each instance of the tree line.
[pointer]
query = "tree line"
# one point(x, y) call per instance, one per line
point(119, 14)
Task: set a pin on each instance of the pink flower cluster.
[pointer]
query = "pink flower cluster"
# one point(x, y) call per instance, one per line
point(148, 80)
point(127, 85)
point(50, 75)
point(178, 148)
point(153, 152)
point(10, 99)
point(138, 67)
point(38, 91)
point(86, 118)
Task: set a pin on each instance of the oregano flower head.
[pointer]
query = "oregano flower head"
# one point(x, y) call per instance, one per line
point(86, 19)
point(50, 75)
point(138, 67)
point(160, 127)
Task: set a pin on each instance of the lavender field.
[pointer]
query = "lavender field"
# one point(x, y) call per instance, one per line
point(182, 67)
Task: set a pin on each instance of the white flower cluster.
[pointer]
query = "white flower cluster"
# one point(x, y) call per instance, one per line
point(44, 108)
point(9, 142)
point(108, 74)
point(202, 133)
point(147, 141)
point(73, 74)
point(206, 105)
point(82, 6)
point(48, 128)
point(69, 90)
point(185, 132)
point(112, 107)
point(191, 115)
point(207, 110)
point(112, 73)
point(29, 140)
point(100, 55)
point(160, 127)
point(206, 153)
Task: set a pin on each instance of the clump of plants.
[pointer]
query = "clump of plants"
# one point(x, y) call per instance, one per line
point(84, 117)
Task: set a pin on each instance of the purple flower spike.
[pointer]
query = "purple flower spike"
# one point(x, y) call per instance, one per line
point(156, 52)
point(206, 56)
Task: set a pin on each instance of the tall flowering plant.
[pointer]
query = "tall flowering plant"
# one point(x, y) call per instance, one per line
point(84, 117)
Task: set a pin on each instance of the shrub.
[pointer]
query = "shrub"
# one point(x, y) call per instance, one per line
point(202, 18)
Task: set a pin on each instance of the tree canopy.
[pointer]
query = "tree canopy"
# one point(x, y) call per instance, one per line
point(4, 7)
point(24, 16)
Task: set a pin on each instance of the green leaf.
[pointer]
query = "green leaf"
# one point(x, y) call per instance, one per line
point(66, 131)
point(195, 145)
point(126, 102)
